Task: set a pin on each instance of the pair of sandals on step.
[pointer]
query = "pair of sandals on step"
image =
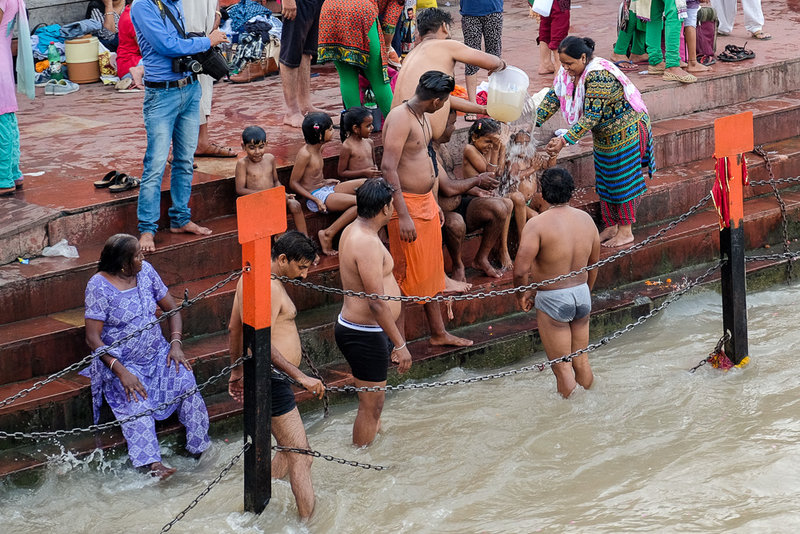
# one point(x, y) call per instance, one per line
point(117, 182)
point(735, 53)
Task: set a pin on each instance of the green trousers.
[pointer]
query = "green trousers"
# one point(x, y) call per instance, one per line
point(664, 17)
point(633, 37)
point(348, 77)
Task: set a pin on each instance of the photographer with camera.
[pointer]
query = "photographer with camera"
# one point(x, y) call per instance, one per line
point(171, 112)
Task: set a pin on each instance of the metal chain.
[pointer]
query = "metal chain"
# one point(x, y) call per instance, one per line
point(501, 292)
point(208, 488)
point(721, 343)
point(777, 256)
point(784, 220)
point(539, 366)
point(795, 179)
point(118, 422)
point(187, 302)
point(315, 372)
point(328, 457)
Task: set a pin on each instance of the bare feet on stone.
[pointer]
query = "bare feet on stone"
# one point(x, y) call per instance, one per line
point(456, 286)
point(546, 68)
point(459, 274)
point(191, 228)
point(147, 243)
point(312, 109)
point(486, 267)
point(295, 120)
point(608, 233)
point(450, 340)
point(623, 237)
point(697, 67)
point(326, 243)
point(161, 471)
point(506, 263)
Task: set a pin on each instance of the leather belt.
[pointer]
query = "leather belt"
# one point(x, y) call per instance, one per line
point(183, 82)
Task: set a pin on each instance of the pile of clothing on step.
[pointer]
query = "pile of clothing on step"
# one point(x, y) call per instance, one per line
point(256, 34)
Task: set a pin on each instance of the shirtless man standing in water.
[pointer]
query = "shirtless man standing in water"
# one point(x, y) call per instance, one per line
point(437, 51)
point(366, 330)
point(560, 240)
point(292, 255)
point(415, 236)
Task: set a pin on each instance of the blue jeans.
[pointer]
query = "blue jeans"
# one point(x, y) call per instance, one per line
point(170, 116)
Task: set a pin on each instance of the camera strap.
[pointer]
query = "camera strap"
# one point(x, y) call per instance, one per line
point(166, 12)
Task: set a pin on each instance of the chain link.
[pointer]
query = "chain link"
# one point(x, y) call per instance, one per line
point(187, 302)
point(208, 488)
point(776, 181)
point(539, 366)
point(501, 292)
point(118, 422)
point(328, 457)
point(720, 344)
point(784, 220)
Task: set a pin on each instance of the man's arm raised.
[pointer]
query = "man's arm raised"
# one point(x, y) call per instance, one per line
point(479, 58)
point(395, 136)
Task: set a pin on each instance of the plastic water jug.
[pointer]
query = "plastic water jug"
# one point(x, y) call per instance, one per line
point(508, 90)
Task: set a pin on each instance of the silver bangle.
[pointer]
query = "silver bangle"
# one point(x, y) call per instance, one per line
point(176, 339)
point(111, 367)
point(401, 347)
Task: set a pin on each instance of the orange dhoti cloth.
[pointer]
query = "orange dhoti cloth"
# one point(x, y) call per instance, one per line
point(419, 265)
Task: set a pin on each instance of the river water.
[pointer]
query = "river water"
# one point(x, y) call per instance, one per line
point(650, 448)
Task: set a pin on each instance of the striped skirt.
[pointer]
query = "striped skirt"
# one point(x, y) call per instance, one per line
point(620, 160)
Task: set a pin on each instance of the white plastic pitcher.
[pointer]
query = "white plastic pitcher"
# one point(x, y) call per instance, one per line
point(508, 90)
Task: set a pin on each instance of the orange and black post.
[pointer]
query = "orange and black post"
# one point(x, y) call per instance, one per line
point(733, 137)
point(260, 216)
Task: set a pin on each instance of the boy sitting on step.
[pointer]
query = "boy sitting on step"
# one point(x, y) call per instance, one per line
point(321, 194)
point(257, 171)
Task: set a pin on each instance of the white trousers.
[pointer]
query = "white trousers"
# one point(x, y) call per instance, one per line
point(726, 12)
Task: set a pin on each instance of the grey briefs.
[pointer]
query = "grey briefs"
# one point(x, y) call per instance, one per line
point(565, 305)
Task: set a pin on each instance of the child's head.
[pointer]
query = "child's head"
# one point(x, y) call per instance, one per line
point(315, 128)
point(522, 137)
point(254, 140)
point(356, 121)
point(482, 132)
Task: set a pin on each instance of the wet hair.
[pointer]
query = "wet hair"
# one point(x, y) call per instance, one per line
point(295, 246)
point(118, 253)
point(557, 185)
point(352, 117)
point(435, 84)
point(575, 47)
point(372, 196)
point(483, 127)
point(431, 19)
point(314, 127)
point(254, 134)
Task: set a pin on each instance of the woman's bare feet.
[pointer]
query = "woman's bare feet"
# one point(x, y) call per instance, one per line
point(608, 233)
point(482, 264)
point(191, 228)
point(449, 339)
point(622, 237)
point(694, 66)
point(161, 471)
point(456, 286)
point(326, 243)
point(147, 242)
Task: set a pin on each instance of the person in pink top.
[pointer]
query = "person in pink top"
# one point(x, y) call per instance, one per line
point(129, 57)
point(11, 11)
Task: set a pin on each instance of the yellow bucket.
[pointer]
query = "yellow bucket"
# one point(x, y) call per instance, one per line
point(82, 64)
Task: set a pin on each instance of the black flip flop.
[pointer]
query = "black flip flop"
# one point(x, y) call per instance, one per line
point(108, 180)
point(125, 183)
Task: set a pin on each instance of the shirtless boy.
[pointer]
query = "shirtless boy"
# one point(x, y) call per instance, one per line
point(292, 255)
point(415, 237)
point(321, 194)
point(366, 331)
point(560, 240)
point(437, 51)
point(257, 171)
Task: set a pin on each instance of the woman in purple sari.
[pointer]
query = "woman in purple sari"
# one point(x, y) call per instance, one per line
point(139, 374)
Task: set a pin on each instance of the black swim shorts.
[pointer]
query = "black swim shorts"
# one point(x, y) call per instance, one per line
point(366, 348)
point(300, 35)
point(282, 396)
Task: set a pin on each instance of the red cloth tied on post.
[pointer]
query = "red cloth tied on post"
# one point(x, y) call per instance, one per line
point(720, 190)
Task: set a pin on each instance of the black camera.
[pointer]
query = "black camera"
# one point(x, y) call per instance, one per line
point(186, 64)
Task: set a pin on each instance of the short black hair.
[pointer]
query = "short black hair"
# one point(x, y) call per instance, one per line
point(295, 246)
point(483, 127)
point(118, 253)
point(557, 185)
point(350, 118)
point(372, 196)
point(254, 134)
point(575, 47)
point(431, 19)
point(435, 84)
point(314, 127)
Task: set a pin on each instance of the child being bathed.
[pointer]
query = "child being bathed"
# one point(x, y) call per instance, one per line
point(257, 171)
point(322, 195)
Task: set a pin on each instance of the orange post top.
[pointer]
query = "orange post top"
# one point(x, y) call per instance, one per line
point(733, 136)
point(260, 216)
